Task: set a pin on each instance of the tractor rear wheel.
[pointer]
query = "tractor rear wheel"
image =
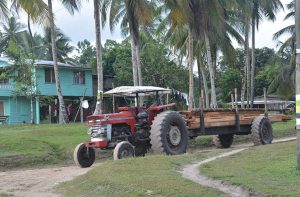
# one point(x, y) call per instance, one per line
point(84, 156)
point(169, 134)
point(223, 140)
point(261, 131)
point(123, 150)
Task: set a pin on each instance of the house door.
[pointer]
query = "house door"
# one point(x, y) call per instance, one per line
point(1, 108)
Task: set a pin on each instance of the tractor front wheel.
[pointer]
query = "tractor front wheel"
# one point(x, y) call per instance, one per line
point(123, 150)
point(169, 134)
point(84, 156)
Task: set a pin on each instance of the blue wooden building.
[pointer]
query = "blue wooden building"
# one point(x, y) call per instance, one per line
point(75, 82)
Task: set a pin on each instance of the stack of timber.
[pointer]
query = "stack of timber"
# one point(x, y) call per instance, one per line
point(226, 117)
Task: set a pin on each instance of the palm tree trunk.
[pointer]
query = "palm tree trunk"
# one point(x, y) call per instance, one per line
point(134, 62)
point(247, 54)
point(139, 65)
point(191, 74)
point(99, 104)
point(205, 86)
point(246, 61)
point(211, 72)
point(30, 33)
point(253, 63)
point(63, 118)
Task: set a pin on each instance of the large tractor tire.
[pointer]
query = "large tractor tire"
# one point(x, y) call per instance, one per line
point(169, 134)
point(123, 150)
point(261, 131)
point(84, 157)
point(223, 141)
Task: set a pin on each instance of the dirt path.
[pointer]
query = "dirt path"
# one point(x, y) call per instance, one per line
point(193, 173)
point(37, 182)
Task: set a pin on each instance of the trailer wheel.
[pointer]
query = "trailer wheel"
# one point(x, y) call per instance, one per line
point(223, 141)
point(84, 156)
point(261, 131)
point(123, 150)
point(168, 134)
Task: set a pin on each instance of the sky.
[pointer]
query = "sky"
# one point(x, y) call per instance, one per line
point(81, 26)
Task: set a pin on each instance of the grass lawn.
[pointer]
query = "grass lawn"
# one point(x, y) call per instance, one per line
point(28, 145)
point(150, 175)
point(269, 170)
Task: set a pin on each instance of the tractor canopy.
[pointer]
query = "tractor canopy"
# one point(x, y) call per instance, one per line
point(133, 91)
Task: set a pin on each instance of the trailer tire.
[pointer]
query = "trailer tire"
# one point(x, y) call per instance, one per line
point(84, 156)
point(261, 131)
point(223, 140)
point(168, 134)
point(123, 150)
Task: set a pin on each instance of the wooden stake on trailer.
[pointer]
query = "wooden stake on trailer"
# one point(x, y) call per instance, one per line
point(232, 101)
point(237, 115)
point(265, 102)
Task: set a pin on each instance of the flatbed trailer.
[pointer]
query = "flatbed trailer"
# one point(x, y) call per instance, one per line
point(228, 122)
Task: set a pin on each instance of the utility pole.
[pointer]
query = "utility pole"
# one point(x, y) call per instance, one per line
point(298, 80)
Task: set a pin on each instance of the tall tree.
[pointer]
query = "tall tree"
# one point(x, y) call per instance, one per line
point(260, 9)
point(71, 6)
point(132, 14)
point(99, 104)
point(14, 31)
point(63, 47)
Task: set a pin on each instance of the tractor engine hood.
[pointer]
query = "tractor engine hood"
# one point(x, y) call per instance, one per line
point(116, 118)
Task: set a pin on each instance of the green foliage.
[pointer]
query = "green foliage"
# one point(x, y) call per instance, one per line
point(23, 71)
point(87, 54)
point(229, 80)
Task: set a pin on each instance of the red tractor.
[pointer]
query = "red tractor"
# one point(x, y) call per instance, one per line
point(134, 130)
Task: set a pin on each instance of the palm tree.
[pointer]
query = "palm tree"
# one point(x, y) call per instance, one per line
point(290, 42)
point(132, 14)
point(99, 104)
point(261, 8)
point(71, 6)
point(13, 30)
point(3, 9)
point(62, 45)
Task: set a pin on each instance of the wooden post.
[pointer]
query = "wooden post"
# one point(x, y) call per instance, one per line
point(113, 97)
point(237, 115)
point(232, 101)
point(265, 101)
point(81, 110)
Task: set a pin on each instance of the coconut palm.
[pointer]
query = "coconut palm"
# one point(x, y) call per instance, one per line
point(260, 9)
point(62, 45)
point(14, 31)
point(132, 14)
point(290, 30)
point(71, 6)
point(99, 103)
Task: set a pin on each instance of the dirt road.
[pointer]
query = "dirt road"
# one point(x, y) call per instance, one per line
point(37, 182)
point(193, 173)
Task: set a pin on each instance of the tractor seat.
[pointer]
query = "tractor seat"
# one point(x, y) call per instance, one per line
point(142, 115)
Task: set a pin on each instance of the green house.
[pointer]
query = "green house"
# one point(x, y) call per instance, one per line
point(75, 82)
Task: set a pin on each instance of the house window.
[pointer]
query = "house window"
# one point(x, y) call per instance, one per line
point(49, 76)
point(3, 80)
point(78, 77)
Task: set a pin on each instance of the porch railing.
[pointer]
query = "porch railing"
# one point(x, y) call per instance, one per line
point(6, 86)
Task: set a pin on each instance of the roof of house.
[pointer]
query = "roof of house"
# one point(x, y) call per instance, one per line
point(5, 61)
